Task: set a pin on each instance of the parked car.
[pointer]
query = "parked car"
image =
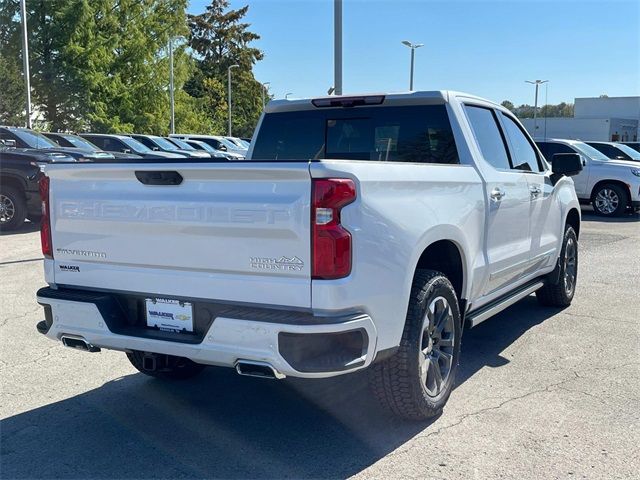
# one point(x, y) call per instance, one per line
point(200, 145)
point(26, 138)
point(418, 214)
point(239, 142)
point(634, 145)
point(217, 142)
point(125, 144)
point(19, 176)
point(75, 141)
point(212, 152)
point(616, 151)
point(611, 186)
point(157, 143)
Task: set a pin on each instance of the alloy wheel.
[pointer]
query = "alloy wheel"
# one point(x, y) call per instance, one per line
point(607, 201)
point(570, 266)
point(437, 346)
point(7, 209)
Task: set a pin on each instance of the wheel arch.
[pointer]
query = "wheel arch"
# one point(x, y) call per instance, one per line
point(619, 183)
point(13, 181)
point(573, 219)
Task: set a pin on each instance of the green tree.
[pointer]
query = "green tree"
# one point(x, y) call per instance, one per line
point(220, 39)
point(12, 98)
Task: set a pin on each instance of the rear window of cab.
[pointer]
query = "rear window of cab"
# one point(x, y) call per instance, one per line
point(415, 133)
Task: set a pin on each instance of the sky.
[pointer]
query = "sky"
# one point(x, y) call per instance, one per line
point(487, 48)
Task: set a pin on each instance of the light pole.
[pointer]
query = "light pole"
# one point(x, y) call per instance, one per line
point(537, 83)
point(229, 88)
point(286, 95)
point(265, 90)
point(171, 96)
point(25, 59)
point(413, 47)
point(337, 46)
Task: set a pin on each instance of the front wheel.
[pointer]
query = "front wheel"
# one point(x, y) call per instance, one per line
point(610, 200)
point(417, 381)
point(560, 293)
point(13, 209)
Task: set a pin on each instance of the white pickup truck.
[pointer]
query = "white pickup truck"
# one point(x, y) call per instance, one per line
point(361, 232)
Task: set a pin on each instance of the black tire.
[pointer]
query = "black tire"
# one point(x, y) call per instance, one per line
point(559, 292)
point(397, 381)
point(610, 200)
point(168, 367)
point(13, 208)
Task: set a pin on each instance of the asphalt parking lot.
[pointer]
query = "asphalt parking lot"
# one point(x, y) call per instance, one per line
point(542, 393)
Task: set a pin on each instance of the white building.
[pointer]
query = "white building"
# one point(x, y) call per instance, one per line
point(597, 119)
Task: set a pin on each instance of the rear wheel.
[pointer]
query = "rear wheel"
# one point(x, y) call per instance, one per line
point(167, 367)
point(13, 209)
point(417, 381)
point(610, 200)
point(561, 294)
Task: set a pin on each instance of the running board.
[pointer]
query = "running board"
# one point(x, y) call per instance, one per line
point(484, 313)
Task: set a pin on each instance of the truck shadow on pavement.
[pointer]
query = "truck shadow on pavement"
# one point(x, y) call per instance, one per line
point(26, 227)
point(223, 425)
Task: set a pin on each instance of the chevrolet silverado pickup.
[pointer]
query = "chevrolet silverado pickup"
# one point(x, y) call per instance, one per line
point(362, 232)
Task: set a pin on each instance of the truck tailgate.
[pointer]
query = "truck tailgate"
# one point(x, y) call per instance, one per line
point(228, 231)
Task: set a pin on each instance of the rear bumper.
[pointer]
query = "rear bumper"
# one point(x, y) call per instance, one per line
point(296, 344)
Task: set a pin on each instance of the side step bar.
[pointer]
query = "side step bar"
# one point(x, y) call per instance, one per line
point(474, 318)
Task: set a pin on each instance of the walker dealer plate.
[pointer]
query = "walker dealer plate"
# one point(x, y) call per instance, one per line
point(169, 315)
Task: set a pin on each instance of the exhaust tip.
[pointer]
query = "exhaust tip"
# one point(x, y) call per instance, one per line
point(78, 343)
point(251, 368)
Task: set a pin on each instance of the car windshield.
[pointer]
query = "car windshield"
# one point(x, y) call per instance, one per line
point(589, 151)
point(181, 144)
point(35, 139)
point(164, 143)
point(229, 144)
point(80, 142)
point(135, 145)
point(634, 154)
point(205, 146)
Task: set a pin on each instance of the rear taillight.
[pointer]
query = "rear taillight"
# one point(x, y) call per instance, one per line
point(45, 220)
point(331, 242)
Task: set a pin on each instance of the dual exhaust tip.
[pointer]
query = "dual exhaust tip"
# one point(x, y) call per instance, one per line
point(252, 368)
point(78, 343)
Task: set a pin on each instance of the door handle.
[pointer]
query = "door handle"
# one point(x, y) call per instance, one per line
point(535, 191)
point(497, 194)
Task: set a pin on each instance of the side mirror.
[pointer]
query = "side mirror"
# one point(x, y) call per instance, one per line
point(9, 142)
point(565, 164)
point(155, 149)
point(126, 150)
point(222, 147)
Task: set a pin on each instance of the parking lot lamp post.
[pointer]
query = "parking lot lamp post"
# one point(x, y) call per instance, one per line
point(25, 59)
point(171, 94)
point(265, 90)
point(537, 83)
point(413, 47)
point(229, 89)
point(337, 46)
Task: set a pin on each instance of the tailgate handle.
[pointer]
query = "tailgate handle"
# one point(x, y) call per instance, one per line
point(158, 177)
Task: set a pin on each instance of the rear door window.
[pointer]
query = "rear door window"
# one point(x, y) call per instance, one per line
point(488, 136)
point(417, 134)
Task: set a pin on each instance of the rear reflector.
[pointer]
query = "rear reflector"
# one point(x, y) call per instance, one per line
point(45, 220)
point(331, 242)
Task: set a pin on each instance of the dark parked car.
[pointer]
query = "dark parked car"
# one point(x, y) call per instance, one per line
point(616, 151)
point(157, 143)
point(70, 140)
point(198, 147)
point(19, 175)
point(26, 138)
point(126, 144)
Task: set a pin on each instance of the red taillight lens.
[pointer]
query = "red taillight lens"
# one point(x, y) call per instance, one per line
point(45, 220)
point(331, 242)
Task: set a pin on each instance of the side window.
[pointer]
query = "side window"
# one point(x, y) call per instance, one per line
point(115, 145)
point(97, 141)
point(485, 128)
point(145, 141)
point(523, 154)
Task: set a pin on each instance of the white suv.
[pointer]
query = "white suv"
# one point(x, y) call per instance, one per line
point(612, 186)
